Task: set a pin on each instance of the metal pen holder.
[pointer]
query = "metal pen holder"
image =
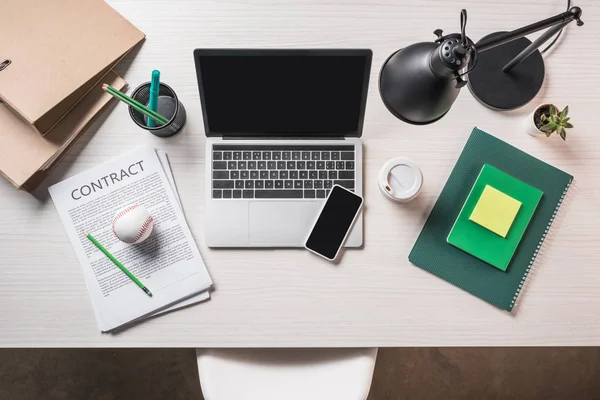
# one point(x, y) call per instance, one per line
point(169, 106)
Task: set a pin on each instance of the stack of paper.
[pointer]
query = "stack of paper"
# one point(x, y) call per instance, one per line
point(168, 262)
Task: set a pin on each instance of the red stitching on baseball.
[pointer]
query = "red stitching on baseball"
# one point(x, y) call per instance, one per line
point(143, 228)
point(119, 215)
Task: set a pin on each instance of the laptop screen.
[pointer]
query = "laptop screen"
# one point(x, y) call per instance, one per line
point(283, 92)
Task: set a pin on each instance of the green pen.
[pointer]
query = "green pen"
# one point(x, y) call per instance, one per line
point(153, 102)
point(118, 264)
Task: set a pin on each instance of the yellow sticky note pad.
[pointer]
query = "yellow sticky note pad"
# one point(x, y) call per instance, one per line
point(495, 211)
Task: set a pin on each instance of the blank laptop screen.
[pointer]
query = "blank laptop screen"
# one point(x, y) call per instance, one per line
point(313, 93)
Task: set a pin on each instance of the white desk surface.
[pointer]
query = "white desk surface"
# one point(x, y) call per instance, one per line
point(290, 298)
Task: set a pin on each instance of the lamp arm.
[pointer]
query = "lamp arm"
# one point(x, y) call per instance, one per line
point(519, 58)
point(562, 19)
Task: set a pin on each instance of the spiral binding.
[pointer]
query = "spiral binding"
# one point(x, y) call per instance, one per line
point(539, 246)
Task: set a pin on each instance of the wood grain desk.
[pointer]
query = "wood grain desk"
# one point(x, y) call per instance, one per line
point(375, 297)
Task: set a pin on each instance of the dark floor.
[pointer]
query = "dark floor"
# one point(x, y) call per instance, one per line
point(446, 373)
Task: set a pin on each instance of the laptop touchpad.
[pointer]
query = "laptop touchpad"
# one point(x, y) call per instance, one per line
point(281, 223)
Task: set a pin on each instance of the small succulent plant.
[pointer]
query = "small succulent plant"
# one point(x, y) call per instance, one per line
point(556, 121)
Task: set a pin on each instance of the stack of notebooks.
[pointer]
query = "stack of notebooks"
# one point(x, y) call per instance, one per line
point(50, 84)
point(488, 224)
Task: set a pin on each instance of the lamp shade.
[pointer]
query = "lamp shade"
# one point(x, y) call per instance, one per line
point(416, 83)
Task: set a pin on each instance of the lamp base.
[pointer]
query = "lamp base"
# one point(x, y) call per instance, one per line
point(506, 90)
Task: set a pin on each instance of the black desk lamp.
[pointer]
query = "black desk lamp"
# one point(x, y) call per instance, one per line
point(419, 83)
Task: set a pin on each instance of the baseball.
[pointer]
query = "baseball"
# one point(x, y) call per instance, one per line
point(133, 224)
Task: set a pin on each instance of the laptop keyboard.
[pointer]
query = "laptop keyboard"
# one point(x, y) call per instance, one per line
point(281, 172)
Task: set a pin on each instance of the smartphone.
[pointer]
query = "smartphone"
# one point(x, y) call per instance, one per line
point(333, 225)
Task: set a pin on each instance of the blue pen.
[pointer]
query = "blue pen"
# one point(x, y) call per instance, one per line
point(153, 102)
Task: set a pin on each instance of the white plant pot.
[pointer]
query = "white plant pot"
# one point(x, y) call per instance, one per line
point(530, 127)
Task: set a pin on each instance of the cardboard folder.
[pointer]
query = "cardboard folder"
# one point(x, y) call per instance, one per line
point(55, 52)
point(26, 157)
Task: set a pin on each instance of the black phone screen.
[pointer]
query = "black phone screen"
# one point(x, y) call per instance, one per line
point(333, 224)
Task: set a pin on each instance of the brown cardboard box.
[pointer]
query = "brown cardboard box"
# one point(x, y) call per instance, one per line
point(26, 157)
point(59, 50)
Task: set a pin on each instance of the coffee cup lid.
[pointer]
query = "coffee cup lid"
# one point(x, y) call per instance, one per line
point(400, 179)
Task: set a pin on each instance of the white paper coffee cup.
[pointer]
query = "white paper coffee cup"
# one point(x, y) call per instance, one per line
point(400, 179)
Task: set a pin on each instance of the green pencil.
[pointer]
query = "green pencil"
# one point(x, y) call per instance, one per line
point(135, 104)
point(118, 264)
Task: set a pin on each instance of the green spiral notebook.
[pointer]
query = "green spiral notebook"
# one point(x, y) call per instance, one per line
point(433, 253)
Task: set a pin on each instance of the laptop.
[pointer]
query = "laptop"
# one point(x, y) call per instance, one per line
point(282, 127)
